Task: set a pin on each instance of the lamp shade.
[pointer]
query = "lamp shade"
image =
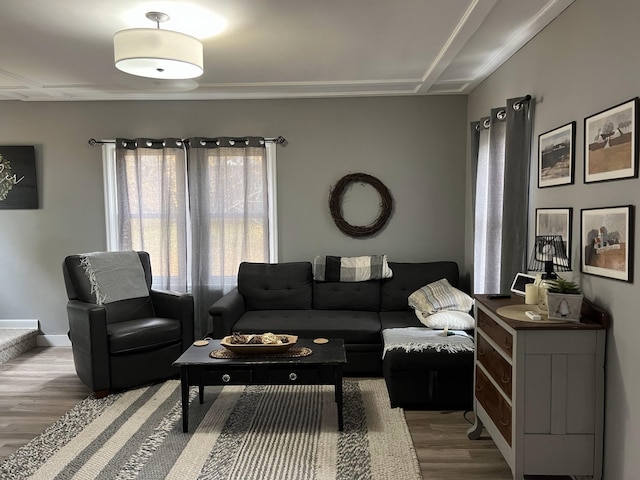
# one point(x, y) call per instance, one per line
point(549, 255)
point(155, 53)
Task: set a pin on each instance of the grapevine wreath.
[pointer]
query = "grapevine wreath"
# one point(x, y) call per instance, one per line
point(335, 205)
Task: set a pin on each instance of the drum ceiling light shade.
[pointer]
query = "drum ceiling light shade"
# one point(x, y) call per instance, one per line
point(155, 53)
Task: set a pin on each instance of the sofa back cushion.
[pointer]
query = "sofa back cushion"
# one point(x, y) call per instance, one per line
point(364, 296)
point(276, 286)
point(409, 277)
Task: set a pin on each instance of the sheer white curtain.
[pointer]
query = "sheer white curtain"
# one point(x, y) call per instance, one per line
point(198, 211)
point(229, 201)
point(151, 196)
point(501, 147)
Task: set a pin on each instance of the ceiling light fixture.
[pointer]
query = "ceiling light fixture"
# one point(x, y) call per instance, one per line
point(155, 53)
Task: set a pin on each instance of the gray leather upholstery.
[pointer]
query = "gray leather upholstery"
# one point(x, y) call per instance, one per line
point(129, 342)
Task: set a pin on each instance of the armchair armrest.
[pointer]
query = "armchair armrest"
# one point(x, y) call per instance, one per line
point(88, 335)
point(178, 306)
point(225, 312)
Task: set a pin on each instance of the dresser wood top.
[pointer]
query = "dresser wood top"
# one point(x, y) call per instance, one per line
point(592, 317)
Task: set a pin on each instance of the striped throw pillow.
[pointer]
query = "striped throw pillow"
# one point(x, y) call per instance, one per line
point(439, 296)
point(351, 269)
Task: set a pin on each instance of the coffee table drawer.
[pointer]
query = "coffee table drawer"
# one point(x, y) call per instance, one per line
point(293, 376)
point(229, 377)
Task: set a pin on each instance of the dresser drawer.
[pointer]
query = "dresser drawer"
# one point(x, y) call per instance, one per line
point(495, 364)
point(499, 335)
point(494, 404)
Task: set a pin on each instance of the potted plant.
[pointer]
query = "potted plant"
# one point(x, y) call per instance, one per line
point(564, 300)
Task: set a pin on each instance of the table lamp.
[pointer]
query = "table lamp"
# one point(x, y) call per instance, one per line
point(549, 255)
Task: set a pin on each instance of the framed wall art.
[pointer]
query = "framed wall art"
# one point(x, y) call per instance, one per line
point(556, 156)
point(611, 143)
point(556, 221)
point(606, 240)
point(18, 187)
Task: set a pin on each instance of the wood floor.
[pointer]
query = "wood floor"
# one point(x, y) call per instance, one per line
point(41, 385)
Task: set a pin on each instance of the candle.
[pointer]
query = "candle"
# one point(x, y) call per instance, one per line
point(530, 294)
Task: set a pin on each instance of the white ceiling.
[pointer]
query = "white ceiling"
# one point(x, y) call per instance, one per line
point(63, 49)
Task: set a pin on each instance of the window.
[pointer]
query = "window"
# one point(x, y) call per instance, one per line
point(198, 211)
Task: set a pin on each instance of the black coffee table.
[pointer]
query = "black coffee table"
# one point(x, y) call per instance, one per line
point(322, 367)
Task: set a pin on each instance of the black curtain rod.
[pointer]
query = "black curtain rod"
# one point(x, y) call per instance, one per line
point(280, 140)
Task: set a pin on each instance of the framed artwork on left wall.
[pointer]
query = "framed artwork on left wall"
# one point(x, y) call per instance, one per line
point(18, 187)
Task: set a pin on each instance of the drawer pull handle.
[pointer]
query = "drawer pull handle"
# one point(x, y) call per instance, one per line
point(480, 351)
point(226, 378)
point(506, 378)
point(507, 342)
point(293, 377)
point(505, 421)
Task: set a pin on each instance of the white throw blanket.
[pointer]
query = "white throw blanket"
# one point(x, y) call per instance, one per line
point(115, 276)
point(417, 339)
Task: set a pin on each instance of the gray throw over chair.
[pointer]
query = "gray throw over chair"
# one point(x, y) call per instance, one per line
point(128, 342)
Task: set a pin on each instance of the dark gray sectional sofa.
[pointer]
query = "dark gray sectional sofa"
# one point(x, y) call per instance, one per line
point(284, 298)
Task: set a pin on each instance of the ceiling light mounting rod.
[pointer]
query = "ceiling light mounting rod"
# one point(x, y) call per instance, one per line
point(157, 17)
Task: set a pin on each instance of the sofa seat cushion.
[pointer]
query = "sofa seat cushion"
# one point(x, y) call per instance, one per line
point(352, 326)
point(143, 334)
point(401, 319)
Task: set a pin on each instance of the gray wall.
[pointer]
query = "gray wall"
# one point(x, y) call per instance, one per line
point(584, 62)
point(414, 145)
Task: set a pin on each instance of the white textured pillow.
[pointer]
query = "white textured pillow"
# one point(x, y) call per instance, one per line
point(447, 318)
point(438, 296)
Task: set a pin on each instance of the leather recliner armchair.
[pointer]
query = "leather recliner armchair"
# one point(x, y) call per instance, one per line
point(129, 342)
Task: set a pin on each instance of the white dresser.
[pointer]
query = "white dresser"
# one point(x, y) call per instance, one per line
point(539, 389)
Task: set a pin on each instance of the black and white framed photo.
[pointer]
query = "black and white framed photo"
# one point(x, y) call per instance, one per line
point(611, 143)
point(607, 242)
point(556, 156)
point(18, 186)
point(556, 221)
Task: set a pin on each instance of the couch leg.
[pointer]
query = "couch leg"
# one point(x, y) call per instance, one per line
point(101, 393)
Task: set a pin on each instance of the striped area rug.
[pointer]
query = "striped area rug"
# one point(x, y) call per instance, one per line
point(243, 433)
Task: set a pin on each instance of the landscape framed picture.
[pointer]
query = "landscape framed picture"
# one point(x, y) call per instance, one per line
point(556, 221)
point(556, 156)
point(611, 143)
point(607, 242)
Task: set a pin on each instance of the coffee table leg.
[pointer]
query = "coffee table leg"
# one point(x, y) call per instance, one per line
point(184, 383)
point(339, 399)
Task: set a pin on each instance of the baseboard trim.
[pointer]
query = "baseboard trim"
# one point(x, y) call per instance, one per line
point(53, 341)
point(26, 324)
